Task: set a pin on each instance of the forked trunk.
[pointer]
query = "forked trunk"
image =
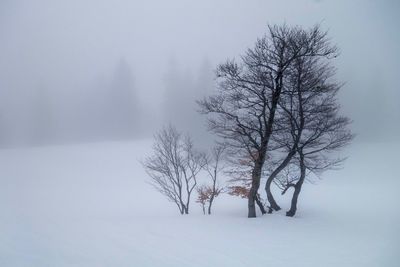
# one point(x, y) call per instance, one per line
point(270, 197)
point(184, 209)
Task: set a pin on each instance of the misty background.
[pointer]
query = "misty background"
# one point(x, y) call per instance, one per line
point(77, 71)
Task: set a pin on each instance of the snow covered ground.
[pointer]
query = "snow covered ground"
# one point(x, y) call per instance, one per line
point(90, 205)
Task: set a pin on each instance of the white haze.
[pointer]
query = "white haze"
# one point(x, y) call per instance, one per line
point(73, 71)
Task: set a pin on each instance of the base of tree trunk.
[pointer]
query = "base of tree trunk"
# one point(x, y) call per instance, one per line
point(252, 213)
point(252, 203)
point(252, 208)
point(251, 216)
point(275, 207)
point(261, 206)
point(271, 199)
point(290, 213)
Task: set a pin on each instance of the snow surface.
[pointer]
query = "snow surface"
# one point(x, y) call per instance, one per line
point(90, 205)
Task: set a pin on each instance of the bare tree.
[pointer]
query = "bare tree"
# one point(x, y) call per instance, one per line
point(206, 195)
point(213, 166)
point(306, 83)
point(315, 127)
point(203, 196)
point(243, 111)
point(174, 167)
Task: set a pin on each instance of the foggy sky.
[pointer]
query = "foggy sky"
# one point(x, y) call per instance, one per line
point(64, 63)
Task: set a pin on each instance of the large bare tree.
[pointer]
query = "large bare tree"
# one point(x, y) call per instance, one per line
point(244, 108)
point(314, 127)
point(174, 167)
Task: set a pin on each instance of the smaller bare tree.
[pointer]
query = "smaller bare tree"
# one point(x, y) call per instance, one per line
point(174, 166)
point(205, 195)
point(213, 166)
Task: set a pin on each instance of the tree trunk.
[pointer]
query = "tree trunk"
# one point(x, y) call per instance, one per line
point(293, 206)
point(213, 191)
point(270, 197)
point(251, 203)
point(256, 173)
point(184, 209)
point(260, 205)
point(271, 178)
point(297, 188)
point(187, 202)
point(255, 184)
point(210, 204)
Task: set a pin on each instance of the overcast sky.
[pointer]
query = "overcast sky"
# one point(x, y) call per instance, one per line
point(69, 51)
